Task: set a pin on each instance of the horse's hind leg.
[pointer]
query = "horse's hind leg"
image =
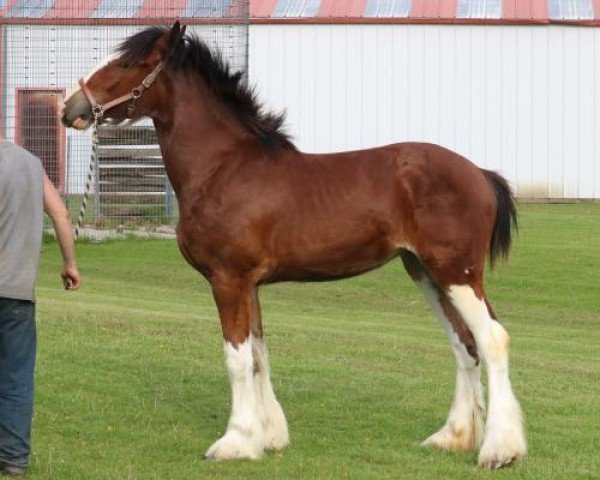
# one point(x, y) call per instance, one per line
point(270, 411)
point(504, 440)
point(462, 300)
point(463, 429)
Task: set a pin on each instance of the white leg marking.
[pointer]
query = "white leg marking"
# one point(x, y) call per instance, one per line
point(245, 436)
point(270, 411)
point(463, 429)
point(504, 440)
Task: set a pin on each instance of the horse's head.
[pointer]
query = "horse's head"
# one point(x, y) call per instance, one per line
point(119, 88)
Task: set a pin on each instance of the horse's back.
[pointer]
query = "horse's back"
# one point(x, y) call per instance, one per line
point(430, 199)
point(425, 178)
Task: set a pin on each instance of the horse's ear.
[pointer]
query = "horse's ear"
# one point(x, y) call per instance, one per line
point(169, 41)
point(175, 35)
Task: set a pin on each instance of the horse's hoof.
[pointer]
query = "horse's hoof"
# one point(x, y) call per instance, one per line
point(499, 457)
point(495, 462)
point(277, 436)
point(235, 445)
point(277, 442)
point(453, 439)
point(505, 444)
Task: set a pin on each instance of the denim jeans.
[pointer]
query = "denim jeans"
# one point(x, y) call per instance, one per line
point(17, 363)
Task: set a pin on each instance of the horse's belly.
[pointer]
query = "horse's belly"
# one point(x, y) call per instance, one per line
point(334, 261)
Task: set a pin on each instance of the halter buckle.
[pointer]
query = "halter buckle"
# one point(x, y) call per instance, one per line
point(137, 92)
point(98, 111)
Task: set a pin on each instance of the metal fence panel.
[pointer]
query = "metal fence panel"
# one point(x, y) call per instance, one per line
point(46, 46)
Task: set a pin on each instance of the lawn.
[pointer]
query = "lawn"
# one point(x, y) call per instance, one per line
point(131, 382)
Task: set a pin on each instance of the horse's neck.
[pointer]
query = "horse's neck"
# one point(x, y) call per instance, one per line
point(196, 136)
point(186, 159)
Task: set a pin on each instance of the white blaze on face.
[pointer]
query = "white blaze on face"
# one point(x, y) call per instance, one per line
point(103, 63)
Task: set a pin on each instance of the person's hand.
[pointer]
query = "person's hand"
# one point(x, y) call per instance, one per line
point(71, 278)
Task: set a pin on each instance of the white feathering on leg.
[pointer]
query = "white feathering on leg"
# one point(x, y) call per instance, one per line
point(245, 435)
point(463, 429)
point(272, 416)
point(504, 439)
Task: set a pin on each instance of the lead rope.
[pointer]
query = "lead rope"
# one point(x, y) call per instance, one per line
point(88, 183)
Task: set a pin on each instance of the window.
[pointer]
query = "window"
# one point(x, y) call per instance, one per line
point(206, 9)
point(387, 8)
point(570, 9)
point(30, 8)
point(296, 8)
point(117, 8)
point(38, 129)
point(479, 9)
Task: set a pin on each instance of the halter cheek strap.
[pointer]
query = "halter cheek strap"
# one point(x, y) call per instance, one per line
point(98, 109)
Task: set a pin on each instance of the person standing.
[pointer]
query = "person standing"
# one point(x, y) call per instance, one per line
point(25, 193)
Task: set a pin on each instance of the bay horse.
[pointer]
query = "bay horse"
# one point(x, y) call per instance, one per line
point(254, 210)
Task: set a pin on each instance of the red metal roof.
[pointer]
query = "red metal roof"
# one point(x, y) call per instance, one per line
point(337, 8)
point(123, 11)
point(585, 12)
point(433, 11)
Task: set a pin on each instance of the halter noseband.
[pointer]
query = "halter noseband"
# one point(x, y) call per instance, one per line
point(99, 109)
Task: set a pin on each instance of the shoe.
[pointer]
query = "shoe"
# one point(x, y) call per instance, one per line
point(11, 470)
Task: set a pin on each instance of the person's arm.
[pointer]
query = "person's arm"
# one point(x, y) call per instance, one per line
point(55, 209)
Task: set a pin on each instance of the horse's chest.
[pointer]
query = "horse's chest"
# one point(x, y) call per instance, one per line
point(192, 246)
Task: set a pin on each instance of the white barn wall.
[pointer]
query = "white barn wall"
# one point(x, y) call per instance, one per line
point(523, 100)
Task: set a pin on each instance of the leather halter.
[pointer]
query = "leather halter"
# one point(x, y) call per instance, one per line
point(98, 109)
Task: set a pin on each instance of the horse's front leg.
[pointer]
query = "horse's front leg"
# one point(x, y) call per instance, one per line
point(269, 408)
point(244, 437)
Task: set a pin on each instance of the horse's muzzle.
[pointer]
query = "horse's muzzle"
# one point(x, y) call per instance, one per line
point(76, 112)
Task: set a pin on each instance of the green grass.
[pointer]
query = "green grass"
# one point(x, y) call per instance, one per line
point(131, 382)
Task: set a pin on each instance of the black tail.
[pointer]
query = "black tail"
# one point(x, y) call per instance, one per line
point(506, 217)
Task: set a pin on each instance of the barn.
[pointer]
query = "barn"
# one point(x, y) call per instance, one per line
point(510, 84)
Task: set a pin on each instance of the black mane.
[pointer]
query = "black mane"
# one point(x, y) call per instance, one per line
point(195, 57)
